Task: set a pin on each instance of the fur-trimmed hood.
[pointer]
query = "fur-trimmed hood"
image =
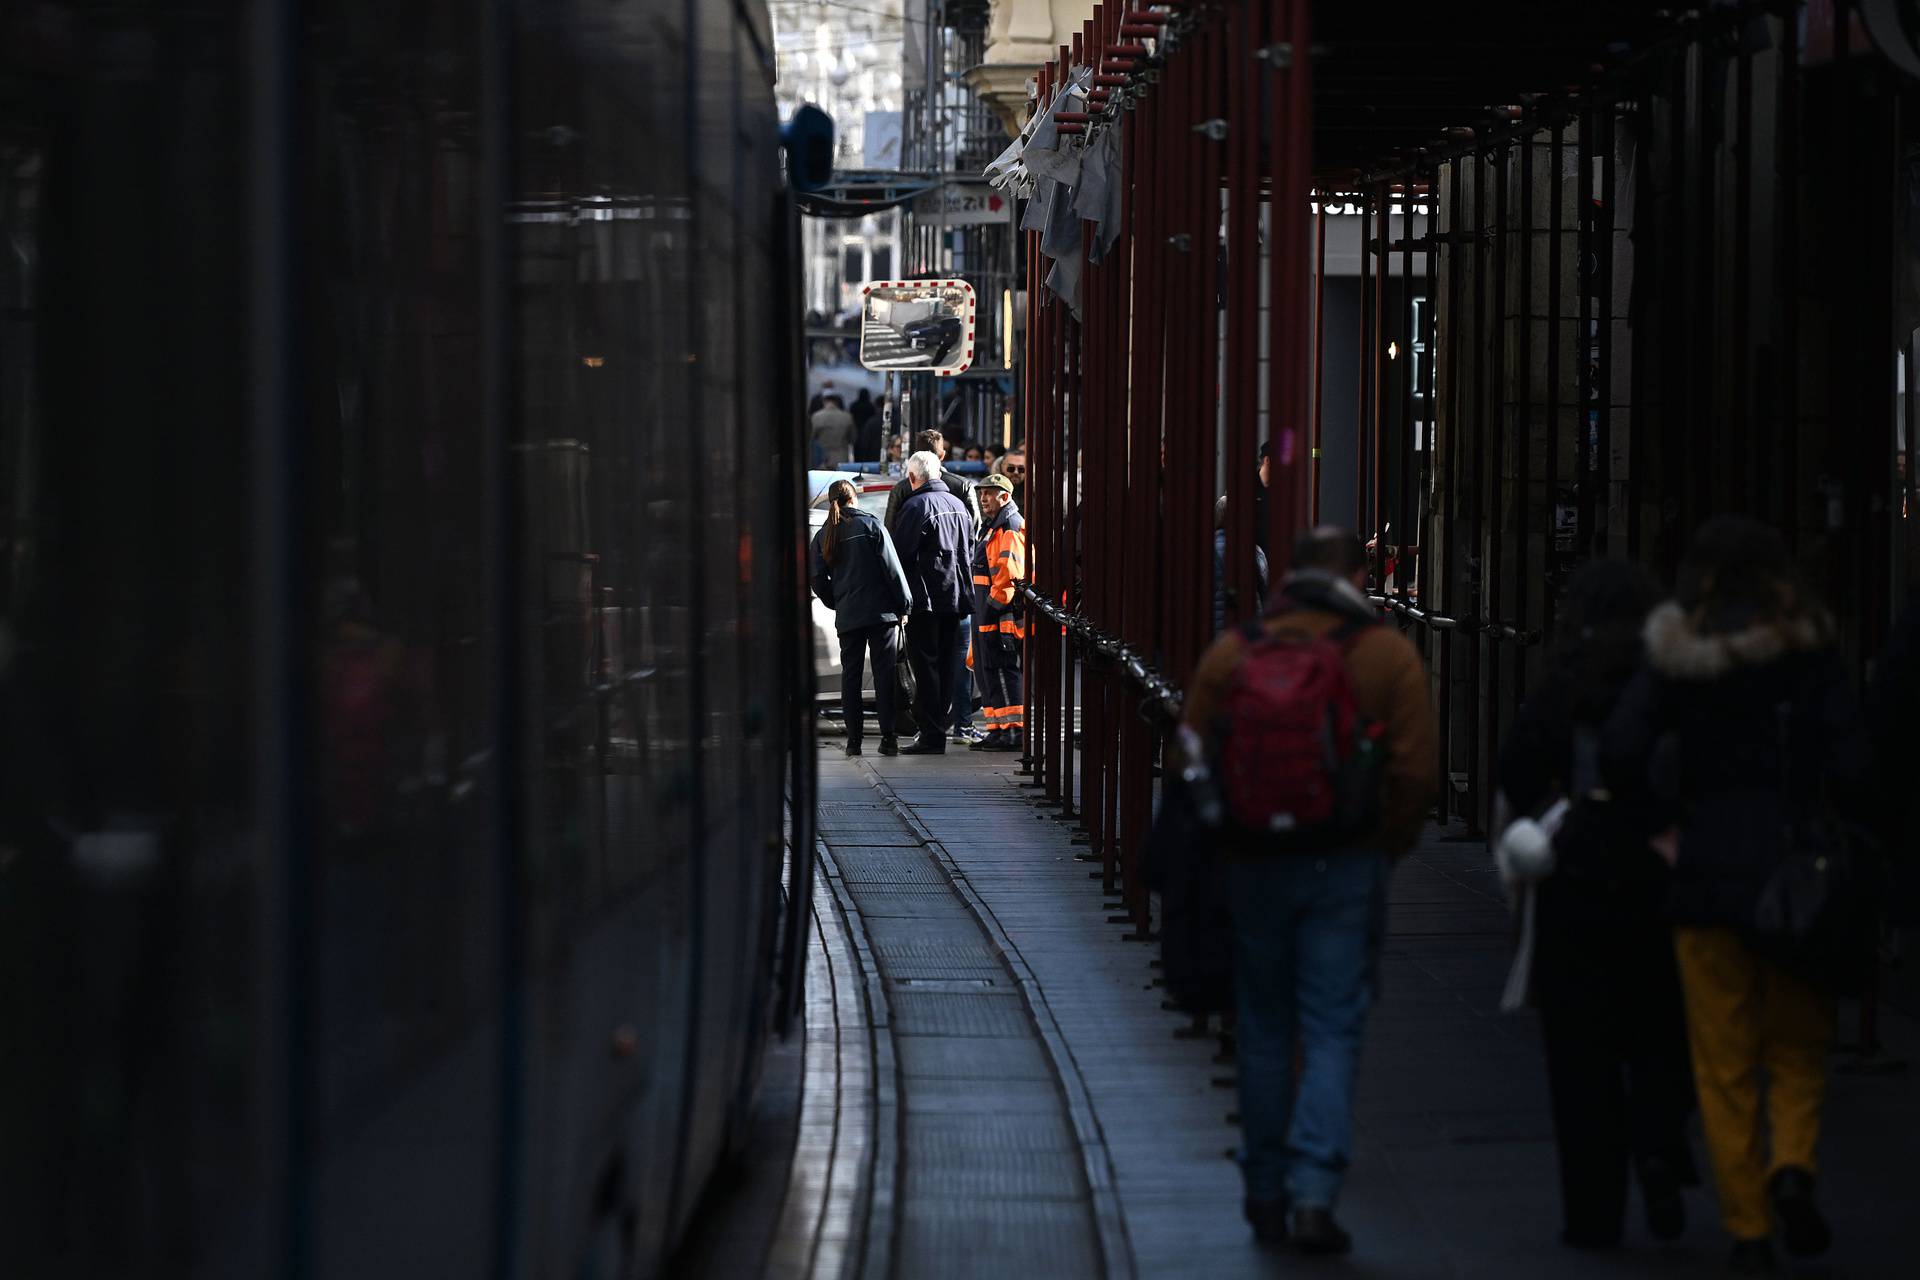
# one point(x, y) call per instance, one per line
point(1678, 649)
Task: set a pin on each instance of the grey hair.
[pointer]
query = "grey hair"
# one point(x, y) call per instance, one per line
point(925, 465)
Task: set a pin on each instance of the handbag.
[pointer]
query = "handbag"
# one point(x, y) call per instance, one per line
point(1816, 915)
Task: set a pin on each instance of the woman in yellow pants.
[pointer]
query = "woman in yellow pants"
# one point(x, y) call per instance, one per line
point(1743, 721)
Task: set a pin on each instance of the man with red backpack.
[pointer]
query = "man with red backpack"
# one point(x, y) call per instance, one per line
point(1318, 727)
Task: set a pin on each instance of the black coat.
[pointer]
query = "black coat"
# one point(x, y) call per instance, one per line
point(865, 584)
point(1697, 739)
point(959, 486)
point(934, 534)
point(1603, 841)
point(866, 430)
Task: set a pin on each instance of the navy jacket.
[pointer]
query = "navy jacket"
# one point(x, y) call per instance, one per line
point(934, 533)
point(957, 485)
point(865, 583)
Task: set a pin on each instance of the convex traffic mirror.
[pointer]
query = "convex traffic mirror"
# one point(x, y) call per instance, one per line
point(917, 326)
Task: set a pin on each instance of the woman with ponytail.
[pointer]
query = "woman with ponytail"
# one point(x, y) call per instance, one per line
point(858, 575)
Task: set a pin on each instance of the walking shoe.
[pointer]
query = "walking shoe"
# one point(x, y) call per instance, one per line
point(967, 733)
point(1660, 1194)
point(1268, 1218)
point(1803, 1229)
point(1315, 1232)
point(1751, 1258)
point(853, 749)
point(988, 742)
point(1009, 741)
point(924, 746)
point(889, 745)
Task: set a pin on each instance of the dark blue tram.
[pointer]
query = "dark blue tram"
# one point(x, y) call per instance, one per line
point(401, 639)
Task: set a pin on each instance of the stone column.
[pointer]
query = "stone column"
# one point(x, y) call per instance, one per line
point(1023, 36)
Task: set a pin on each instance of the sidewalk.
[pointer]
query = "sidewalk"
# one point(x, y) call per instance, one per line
point(1454, 1171)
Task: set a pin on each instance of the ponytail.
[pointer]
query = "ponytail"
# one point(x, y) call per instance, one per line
point(840, 497)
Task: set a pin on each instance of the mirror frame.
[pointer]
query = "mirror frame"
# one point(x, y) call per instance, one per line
point(967, 316)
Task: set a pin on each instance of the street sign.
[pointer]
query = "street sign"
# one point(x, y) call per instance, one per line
point(961, 204)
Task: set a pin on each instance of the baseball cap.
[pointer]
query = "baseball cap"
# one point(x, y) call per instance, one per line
point(997, 481)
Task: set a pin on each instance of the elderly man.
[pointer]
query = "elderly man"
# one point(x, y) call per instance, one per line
point(933, 532)
point(999, 615)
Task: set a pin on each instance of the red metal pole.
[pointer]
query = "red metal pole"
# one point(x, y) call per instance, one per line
point(1243, 305)
point(1037, 386)
point(1290, 166)
point(1319, 351)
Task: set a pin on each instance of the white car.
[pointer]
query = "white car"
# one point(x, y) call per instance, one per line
point(873, 491)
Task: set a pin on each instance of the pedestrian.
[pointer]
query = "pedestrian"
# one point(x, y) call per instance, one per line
point(833, 433)
point(975, 454)
point(1221, 589)
point(857, 574)
point(1743, 728)
point(934, 442)
point(896, 459)
point(1603, 973)
point(867, 426)
point(934, 533)
point(1013, 465)
point(821, 397)
point(999, 616)
point(1307, 872)
point(1263, 463)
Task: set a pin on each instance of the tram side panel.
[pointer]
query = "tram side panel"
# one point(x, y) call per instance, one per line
point(316, 1012)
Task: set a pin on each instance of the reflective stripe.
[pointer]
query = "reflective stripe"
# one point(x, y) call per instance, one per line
point(981, 580)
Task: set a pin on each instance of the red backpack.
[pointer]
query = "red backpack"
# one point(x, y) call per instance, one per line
point(1299, 765)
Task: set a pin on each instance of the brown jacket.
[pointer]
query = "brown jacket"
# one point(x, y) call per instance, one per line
point(1390, 684)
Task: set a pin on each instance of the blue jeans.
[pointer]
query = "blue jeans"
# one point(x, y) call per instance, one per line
point(1304, 929)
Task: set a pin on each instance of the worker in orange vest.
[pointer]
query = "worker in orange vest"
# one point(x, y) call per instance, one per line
point(999, 614)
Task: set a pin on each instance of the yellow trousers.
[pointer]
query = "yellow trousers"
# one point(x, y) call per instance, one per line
point(1746, 1016)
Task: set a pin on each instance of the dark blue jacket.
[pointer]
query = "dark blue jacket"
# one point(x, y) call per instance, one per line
point(865, 583)
point(934, 533)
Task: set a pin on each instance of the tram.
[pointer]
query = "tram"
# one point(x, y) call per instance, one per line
point(402, 656)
